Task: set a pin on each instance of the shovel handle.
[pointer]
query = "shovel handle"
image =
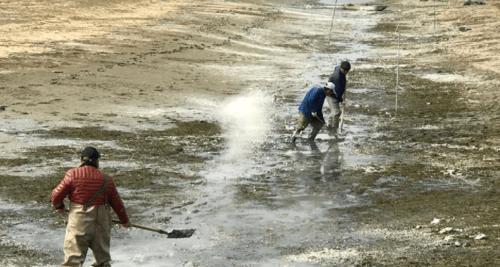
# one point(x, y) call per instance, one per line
point(144, 227)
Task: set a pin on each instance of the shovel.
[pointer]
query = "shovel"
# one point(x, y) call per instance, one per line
point(183, 233)
point(341, 124)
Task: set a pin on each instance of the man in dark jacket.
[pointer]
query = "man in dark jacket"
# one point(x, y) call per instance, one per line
point(310, 110)
point(338, 78)
point(91, 192)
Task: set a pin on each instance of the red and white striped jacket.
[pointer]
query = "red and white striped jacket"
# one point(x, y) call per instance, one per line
point(81, 184)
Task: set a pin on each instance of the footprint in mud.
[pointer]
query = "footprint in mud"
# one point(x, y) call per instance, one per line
point(50, 101)
point(110, 115)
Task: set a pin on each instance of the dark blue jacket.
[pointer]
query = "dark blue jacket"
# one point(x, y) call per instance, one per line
point(313, 102)
point(338, 78)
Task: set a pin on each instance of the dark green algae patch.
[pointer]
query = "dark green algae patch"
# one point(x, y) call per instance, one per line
point(166, 148)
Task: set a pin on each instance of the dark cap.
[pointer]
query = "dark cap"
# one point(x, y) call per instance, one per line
point(345, 65)
point(90, 154)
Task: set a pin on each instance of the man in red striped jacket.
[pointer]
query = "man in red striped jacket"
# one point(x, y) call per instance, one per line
point(89, 221)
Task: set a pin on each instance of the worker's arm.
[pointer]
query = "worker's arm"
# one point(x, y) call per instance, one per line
point(60, 192)
point(117, 204)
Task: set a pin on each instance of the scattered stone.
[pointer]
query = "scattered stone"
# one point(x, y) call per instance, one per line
point(449, 238)
point(195, 211)
point(464, 28)
point(418, 227)
point(446, 230)
point(474, 2)
point(435, 221)
point(457, 244)
point(480, 236)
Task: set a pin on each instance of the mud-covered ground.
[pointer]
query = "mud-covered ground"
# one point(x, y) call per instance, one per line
point(192, 105)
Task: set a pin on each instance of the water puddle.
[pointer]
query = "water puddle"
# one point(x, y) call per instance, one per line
point(449, 78)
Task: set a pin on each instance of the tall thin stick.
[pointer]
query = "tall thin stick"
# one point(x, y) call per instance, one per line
point(434, 3)
point(331, 25)
point(397, 68)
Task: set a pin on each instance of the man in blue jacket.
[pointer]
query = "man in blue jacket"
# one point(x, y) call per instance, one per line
point(310, 110)
point(338, 77)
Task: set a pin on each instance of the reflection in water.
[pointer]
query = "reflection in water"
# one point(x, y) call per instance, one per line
point(330, 160)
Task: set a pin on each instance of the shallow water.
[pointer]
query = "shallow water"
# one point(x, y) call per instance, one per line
point(253, 198)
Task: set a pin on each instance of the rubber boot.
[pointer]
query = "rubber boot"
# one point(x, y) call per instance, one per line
point(313, 134)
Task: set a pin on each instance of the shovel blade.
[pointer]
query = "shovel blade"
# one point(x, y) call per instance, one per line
point(183, 233)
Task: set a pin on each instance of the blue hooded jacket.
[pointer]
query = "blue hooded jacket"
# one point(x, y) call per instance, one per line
point(313, 102)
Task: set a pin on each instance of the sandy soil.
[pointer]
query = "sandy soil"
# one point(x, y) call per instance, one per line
point(149, 82)
point(88, 61)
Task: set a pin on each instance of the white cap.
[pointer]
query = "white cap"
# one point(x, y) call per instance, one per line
point(330, 85)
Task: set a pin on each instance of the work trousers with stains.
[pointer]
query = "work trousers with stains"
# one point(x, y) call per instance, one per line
point(335, 113)
point(303, 122)
point(87, 228)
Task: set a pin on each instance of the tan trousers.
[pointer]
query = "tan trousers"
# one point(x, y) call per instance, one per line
point(86, 229)
point(303, 122)
point(335, 114)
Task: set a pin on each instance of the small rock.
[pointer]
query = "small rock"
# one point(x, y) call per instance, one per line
point(464, 29)
point(418, 227)
point(449, 237)
point(2, 108)
point(446, 230)
point(480, 236)
point(457, 244)
point(473, 2)
point(435, 221)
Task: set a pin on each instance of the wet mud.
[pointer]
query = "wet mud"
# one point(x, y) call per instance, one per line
point(411, 182)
